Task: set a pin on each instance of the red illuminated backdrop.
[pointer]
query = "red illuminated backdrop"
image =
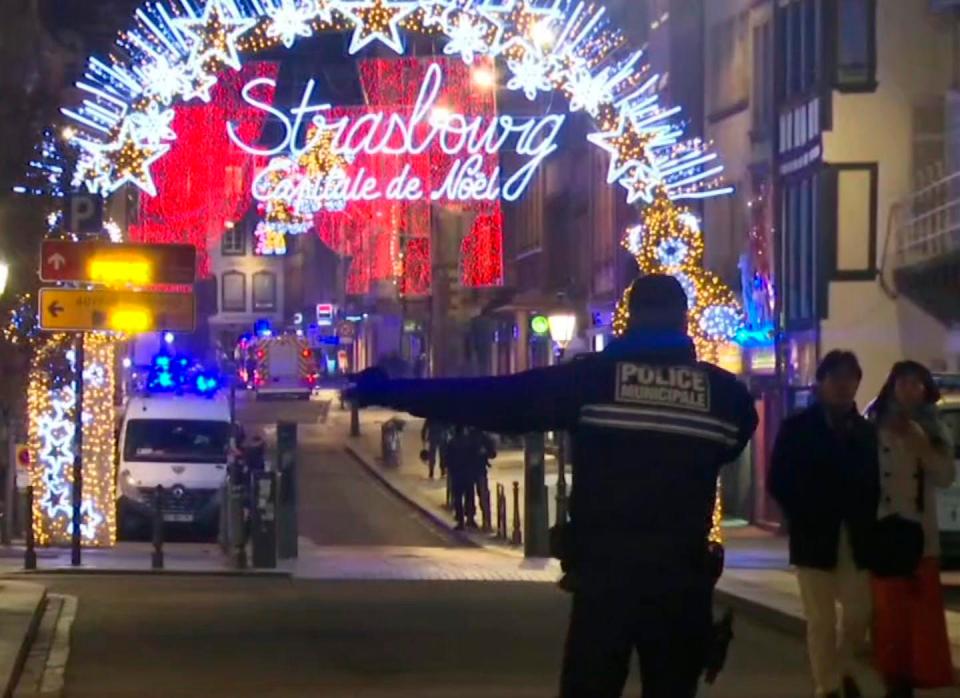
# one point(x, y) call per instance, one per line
point(204, 181)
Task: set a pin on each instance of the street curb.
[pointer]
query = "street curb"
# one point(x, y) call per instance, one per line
point(431, 516)
point(38, 603)
point(135, 572)
point(768, 615)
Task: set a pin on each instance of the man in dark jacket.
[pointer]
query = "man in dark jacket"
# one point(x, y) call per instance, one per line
point(467, 455)
point(650, 428)
point(825, 476)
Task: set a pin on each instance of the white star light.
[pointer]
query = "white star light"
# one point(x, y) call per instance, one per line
point(153, 126)
point(541, 18)
point(290, 20)
point(363, 34)
point(467, 37)
point(641, 184)
point(199, 85)
point(163, 80)
point(589, 91)
point(619, 166)
point(143, 179)
point(434, 11)
point(195, 31)
point(532, 75)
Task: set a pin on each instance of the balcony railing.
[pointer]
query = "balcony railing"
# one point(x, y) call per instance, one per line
point(928, 223)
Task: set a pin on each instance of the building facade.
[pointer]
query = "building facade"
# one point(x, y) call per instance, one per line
point(861, 92)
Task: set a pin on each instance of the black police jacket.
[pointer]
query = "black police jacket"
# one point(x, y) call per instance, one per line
point(825, 476)
point(650, 428)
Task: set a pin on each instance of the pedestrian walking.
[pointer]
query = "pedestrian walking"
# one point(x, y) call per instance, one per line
point(434, 436)
point(650, 428)
point(488, 451)
point(466, 456)
point(910, 642)
point(824, 475)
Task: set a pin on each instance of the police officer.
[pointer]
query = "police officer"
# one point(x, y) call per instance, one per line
point(650, 428)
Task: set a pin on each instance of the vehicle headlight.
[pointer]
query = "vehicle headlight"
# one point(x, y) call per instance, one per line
point(128, 486)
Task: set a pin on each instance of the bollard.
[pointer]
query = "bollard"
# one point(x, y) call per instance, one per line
point(263, 520)
point(156, 560)
point(222, 532)
point(517, 538)
point(236, 534)
point(354, 419)
point(483, 491)
point(501, 513)
point(286, 514)
point(30, 554)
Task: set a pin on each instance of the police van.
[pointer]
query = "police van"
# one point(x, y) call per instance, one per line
point(179, 442)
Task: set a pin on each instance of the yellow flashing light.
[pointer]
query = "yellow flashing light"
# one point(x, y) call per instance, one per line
point(131, 320)
point(114, 271)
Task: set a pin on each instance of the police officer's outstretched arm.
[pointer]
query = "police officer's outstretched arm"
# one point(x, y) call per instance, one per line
point(539, 400)
point(743, 413)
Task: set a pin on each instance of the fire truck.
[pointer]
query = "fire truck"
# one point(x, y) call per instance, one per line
point(281, 366)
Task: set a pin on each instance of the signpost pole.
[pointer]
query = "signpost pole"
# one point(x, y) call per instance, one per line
point(75, 555)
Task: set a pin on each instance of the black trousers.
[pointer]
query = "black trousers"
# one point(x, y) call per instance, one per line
point(669, 632)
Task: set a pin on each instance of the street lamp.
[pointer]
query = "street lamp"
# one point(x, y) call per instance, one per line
point(563, 328)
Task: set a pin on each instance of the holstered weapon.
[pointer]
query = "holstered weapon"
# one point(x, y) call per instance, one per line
point(720, 640)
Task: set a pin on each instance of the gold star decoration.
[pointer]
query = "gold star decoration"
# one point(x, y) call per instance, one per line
point(378, 21)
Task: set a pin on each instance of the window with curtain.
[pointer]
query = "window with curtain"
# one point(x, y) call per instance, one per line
point(233, 292)
point(264, 291)
point(856, 44)
point(729, 70)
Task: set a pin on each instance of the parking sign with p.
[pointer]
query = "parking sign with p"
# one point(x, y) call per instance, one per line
point(83, 213)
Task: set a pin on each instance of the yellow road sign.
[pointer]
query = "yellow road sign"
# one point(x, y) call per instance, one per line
point(120, 311)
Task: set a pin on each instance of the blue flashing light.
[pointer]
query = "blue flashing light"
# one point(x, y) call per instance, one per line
point(168, 337)
point(755, 338)
point(180, 374)
point(206, 384)
point(262, 328)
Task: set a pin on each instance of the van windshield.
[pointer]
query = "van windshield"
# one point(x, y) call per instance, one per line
point(952, 420)
point(176, 440)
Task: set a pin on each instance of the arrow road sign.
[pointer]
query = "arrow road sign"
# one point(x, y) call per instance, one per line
point(117, 264)
point(76, 310)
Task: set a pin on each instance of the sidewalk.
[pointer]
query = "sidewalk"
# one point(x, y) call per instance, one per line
point(21, 608)
point(757, 579)
point(411, 480)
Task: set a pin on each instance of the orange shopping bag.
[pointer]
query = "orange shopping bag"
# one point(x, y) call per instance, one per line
point(910, 642)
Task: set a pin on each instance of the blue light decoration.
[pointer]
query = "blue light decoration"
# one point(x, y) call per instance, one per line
point(671, 253)
point(720, 322)
point(176, 50)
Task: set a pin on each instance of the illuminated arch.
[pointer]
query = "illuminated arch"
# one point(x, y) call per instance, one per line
point(177, 48)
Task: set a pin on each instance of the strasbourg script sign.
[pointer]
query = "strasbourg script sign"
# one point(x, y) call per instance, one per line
point(467, 140)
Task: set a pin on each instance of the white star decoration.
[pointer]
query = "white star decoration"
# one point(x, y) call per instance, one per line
point(368, 31)
point(153, 126)
point(619, 166)
point(197, 33)
point(513, 12)
point(434, 11)
point(291, 20)
point(531, 74)
point(141, 175)
point(199, 85)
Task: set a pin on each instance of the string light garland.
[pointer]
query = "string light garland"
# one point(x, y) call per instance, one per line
point(176, 50)
point(547, 45)
point(51, 405)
